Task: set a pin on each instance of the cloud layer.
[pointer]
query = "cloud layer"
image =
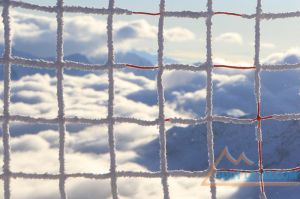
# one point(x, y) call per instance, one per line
point(35, 34)
point(86, 145)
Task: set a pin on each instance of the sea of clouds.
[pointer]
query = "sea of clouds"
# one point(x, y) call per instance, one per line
point(34, 148)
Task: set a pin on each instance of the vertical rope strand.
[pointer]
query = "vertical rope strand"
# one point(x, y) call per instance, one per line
point(60, 98)
point(110, 63)
point(6, 114)
point(161, 103)
point(258, 95)
point(209, 102)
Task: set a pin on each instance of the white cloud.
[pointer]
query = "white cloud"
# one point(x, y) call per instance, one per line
point(291, 56)
point(190, 96)
point(173, 79)
point(179, 34)
point(236, 113)
point(29, 143)
point(143, 29)
point(223, 80)
point(230, 37)
point(83, 28)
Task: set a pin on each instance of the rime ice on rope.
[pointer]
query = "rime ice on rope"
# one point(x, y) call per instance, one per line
point(280, 15)
point(119, 11)
point(60, 98)
point(110, 108)
point(258, 96)
point(6, 98)
point(161, 104)
point(209, 105)
point(99, 67)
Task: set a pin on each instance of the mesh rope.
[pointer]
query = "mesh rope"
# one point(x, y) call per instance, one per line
point(8, 60)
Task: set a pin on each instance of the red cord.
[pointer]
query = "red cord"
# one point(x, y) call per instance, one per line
point(146, 13)
point(215, 13)
point(228, 13)
point(237, 170)
point(234, 67)
point(260, 156)
point(141, 67)
point(259, 143)
point(216, 66)
point(284, 170)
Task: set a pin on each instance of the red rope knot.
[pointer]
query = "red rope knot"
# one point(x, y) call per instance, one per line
point(261, 171)
point(258, 117)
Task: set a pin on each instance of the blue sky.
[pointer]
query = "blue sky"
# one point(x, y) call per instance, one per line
point(233, 37)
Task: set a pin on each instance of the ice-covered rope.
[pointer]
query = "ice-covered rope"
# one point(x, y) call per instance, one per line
point(6, 98)
point(119, 11)
point(134, 174)
point(76, 120)
point(60, 98)
point(110, 108)
point(161, 103)
point(257, 91)
point(234, 67)
point(122, 174)
point(215, 118)
point(209, 100)
point(98, 67)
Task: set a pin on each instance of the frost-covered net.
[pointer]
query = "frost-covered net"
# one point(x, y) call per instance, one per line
point(8, 60)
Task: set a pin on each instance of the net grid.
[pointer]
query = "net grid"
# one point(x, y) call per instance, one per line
point(8, 60)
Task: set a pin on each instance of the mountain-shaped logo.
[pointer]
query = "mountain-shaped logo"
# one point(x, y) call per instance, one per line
point(239, 177)
point(226, 153)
